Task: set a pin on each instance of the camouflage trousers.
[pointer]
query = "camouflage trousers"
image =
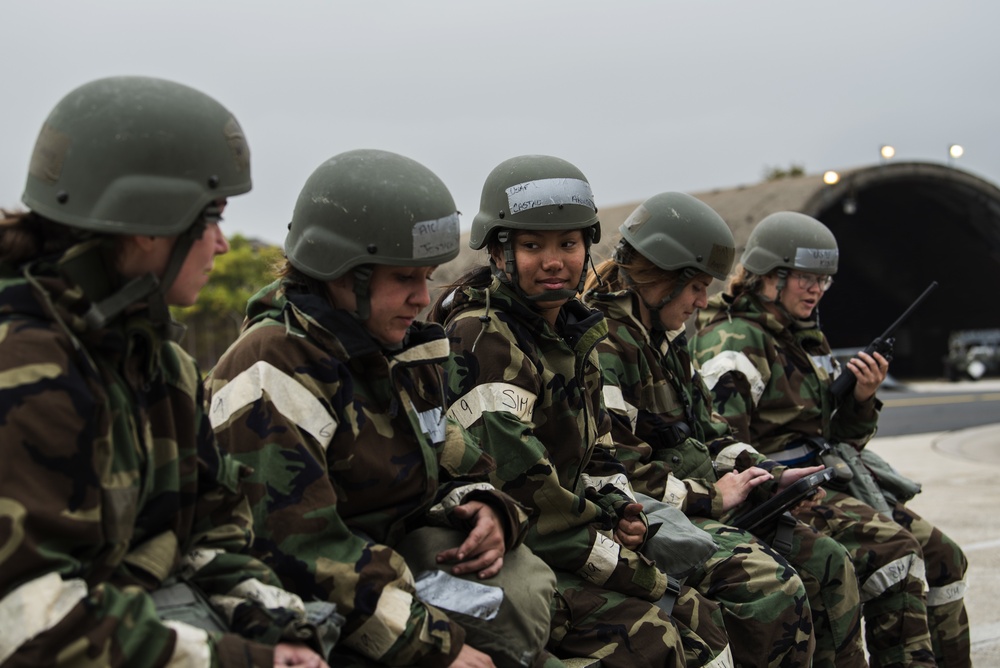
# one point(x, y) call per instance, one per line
point(622, 631)
point(946, 566)
point(832, 587)
point(889, 565)
point(763, 600)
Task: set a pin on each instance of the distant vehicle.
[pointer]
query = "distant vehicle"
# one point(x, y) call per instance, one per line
point(973, 354)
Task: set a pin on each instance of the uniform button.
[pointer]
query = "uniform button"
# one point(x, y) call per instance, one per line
point(675, 459)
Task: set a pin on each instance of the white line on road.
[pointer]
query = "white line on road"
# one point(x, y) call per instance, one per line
point(984, 545)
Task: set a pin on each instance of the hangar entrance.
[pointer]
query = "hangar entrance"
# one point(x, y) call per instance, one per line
point(899, 227)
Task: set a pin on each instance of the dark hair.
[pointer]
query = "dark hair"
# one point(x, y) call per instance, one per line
point(314, 286)
point(640, 270)
point(477, 277)
point(25, 236)
point(745, 282)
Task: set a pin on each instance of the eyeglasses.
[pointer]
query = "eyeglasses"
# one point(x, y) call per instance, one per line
point(809, 281)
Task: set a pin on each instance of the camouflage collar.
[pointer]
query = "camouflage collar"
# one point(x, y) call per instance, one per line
point(337, 329)
point(576, 325)
point(130, 342)
point(723, 306)
point(621, 306)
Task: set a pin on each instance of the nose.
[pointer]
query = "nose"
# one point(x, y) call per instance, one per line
point(421, 295)
point(552, 261)
point(221, 243)
point(701, 301)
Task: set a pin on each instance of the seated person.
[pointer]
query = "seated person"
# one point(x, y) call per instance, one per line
point(333, 394)
point(524, 379)
point(120, 517)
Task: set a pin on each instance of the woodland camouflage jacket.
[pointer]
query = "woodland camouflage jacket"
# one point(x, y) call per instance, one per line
point(532, 395)
point(111, 483)
point(770, 377)
point(651, 389)
point(351, 450)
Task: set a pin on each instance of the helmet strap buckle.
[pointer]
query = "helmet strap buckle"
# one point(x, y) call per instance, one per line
point(362, 291)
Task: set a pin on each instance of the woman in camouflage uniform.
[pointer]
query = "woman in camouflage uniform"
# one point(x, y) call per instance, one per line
point(117, 510)
point(769, 368)
point(333, 393)
point(667, 435)
point(524, 379)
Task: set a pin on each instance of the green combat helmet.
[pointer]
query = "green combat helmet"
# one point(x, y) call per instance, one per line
point(790, 240)
point(678, 232)
point(538, 193)
point(369, 207)
point(136, 155)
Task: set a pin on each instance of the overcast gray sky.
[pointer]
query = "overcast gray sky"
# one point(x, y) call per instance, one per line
point(642, 96)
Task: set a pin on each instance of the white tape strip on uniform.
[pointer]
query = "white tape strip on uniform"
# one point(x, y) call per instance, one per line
point(289, 396)
point(433, 350)
point(381, 631)
point(614, 400)
point(602, 561)
point(267, 595)
point(732, 360)
point(35, 607)
point(198, 558)
point(619, 481)
point(726, 459)
point(891, 574)
point(495, 398)
point(433, 424)
point(192, 649)
point(825, 362)
point(675, 493)
point(724, 660)
point(456, 497)
point(946, 594)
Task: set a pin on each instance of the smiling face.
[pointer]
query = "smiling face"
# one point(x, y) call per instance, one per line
point(801, 293)
point(676, 312)
point(546, 261)
point(397, 295)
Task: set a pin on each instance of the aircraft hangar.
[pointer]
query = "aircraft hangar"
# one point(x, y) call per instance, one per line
point(900, 226)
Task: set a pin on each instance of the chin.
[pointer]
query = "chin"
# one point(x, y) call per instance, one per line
point(182, 302)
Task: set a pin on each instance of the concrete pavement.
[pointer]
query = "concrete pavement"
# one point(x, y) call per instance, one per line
point(960, 471)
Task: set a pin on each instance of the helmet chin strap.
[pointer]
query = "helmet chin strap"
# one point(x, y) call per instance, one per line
point(782, 282)
point(622, 256)
point(363, 301)
point(654, 311)
point(362, 292)
point(152, 289)
point(782, 274)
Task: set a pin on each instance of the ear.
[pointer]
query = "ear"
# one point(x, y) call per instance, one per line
point(340, 291)
point(142, 242)
point(345, 281)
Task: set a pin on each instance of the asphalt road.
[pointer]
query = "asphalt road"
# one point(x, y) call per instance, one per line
point(922, 407)
point(947, 436)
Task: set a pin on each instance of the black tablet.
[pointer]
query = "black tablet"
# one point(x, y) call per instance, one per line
point(760, 517)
